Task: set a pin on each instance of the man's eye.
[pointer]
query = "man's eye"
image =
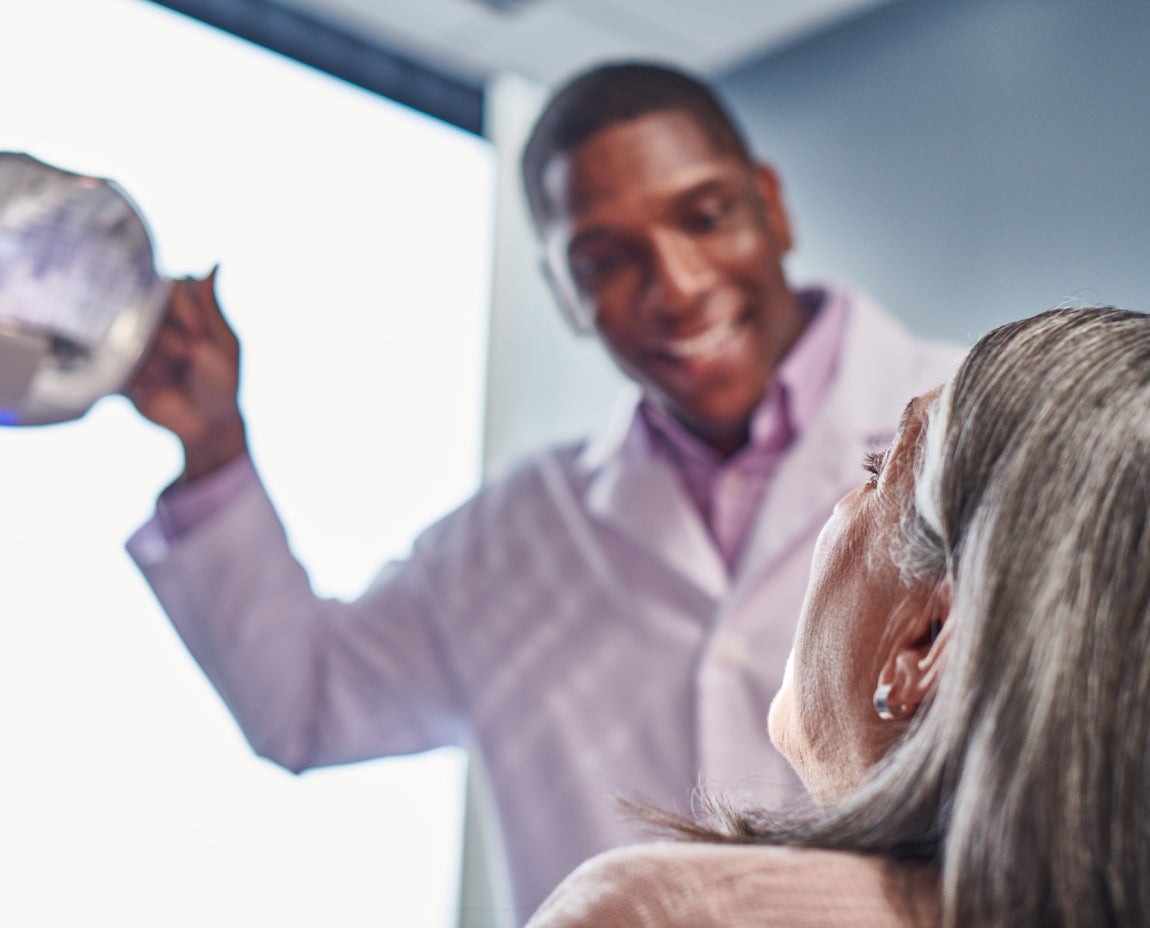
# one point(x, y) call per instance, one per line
point(708, 216)
point(590, 269)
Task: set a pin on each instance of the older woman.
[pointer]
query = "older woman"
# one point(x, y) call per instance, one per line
point(968, 698)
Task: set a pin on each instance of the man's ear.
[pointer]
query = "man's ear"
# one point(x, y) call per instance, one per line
point(568, 303)
point(917, 652)
point(771, 192)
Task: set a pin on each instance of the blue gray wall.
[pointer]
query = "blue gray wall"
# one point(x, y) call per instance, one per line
point(967, 162)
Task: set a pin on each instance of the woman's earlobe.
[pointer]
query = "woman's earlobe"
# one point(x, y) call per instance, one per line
point(887, 709)
point(911, 674)
point(911, 670)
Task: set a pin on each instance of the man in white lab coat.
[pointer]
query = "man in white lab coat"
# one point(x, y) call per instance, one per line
point(613, 616)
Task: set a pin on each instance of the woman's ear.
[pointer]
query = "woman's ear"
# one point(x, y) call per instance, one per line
point(910, 672)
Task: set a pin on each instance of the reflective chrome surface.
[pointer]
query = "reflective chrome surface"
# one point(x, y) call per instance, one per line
point(80, 297)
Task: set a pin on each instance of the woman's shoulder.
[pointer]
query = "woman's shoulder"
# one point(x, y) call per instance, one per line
point(733, 886)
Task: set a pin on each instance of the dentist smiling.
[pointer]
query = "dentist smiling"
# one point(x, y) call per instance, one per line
point(669, 247)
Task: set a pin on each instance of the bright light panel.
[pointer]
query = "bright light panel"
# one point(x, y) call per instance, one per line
point(353, 238)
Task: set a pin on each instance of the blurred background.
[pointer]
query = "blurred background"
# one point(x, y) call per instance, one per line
point(351, 164)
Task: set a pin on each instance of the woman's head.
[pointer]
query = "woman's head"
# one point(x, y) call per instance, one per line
point(1022, 547)
point(869, 624)
point(1041, 489)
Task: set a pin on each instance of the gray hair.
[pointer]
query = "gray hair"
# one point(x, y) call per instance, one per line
point(1036, 477)
point(1025, 781)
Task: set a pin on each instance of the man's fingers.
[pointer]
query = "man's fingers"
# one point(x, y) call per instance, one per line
point(172, 341)
point(211, 314)
point(157, 373)
point(146, 385)
point(183, 311)
point(168, 359)
point(192, 327)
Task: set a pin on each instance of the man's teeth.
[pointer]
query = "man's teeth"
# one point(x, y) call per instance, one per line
point(705, 343)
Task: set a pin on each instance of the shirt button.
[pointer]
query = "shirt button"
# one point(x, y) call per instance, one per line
point(731, 649)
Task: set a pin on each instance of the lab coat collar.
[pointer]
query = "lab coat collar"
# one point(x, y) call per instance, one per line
point(877, 362)
point(640, 495)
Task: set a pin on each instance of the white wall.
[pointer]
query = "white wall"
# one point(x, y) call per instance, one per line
point(544, 384)
point(970, 162)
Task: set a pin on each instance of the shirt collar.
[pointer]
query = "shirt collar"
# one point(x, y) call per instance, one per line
point(807, 371)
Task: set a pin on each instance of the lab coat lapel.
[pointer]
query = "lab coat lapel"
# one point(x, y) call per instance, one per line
point(641, 497)
point(809, 480)
point(877, 367)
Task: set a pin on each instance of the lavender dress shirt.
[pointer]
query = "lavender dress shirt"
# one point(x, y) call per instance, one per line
point(725, 492)
point(575, 622)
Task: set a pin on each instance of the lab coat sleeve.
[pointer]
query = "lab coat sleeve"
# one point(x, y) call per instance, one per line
point(311, 681)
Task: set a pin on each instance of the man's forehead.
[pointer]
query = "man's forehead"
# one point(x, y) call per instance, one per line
point(652, 144)
point(652, 160)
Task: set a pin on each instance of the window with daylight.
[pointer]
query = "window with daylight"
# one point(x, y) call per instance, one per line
point(353, 238)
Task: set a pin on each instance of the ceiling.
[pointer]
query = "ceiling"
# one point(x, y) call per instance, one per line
point(545, 40)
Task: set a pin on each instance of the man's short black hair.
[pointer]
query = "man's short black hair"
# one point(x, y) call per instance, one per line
point(616, 93)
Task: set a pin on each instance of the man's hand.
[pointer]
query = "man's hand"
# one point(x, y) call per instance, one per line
point(189, 381)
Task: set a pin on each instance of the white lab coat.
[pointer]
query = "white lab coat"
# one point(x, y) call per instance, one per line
point(574, 622)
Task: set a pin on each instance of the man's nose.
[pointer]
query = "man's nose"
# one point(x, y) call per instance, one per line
point(680, 272)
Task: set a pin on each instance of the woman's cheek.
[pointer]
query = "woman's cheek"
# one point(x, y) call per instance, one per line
point(780, 716)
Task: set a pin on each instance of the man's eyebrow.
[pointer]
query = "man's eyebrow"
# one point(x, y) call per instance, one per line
point(707, 186)
point(703, 187)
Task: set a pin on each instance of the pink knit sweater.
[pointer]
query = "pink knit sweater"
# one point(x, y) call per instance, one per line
point(672, 885)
